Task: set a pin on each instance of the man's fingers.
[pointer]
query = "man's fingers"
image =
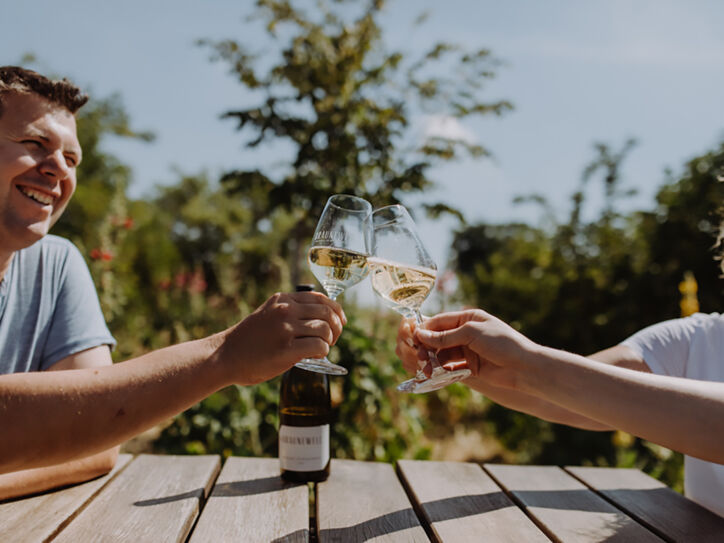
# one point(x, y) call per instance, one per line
point(321, 312)
point(315, 328)
point(319, 298)
point(309, 347)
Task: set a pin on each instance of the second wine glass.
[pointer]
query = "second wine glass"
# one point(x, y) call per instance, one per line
point(403, 274)
point(338, 256)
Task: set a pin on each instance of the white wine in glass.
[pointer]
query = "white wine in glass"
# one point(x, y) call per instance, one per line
point(403, 288)
point(403, 274)
point(338, 256)
point(337, 269)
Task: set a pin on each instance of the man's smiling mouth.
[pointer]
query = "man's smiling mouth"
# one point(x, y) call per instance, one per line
point(40, 197)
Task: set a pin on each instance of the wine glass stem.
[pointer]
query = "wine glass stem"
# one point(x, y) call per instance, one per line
point(431, 356)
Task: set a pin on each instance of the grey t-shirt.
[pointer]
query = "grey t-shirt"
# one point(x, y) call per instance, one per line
point(48, 307)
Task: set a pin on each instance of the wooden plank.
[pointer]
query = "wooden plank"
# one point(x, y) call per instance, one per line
point(460, 503)
point(250, 502)
point(155, 499)
point(39, 517)
point(564, 508)
point(364, 501)
point(653, 504)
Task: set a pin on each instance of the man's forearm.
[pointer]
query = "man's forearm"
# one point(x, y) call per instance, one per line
point(686, 415)
point(30, 481)
point(53, 417)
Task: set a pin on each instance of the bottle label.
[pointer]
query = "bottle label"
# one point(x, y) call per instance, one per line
point(303, 448)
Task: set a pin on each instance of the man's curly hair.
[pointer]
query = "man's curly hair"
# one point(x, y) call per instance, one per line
point(14, 79)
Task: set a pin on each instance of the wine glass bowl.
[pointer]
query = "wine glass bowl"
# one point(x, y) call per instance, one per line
point(338, 256)
point(403, 274)
point(337, 269)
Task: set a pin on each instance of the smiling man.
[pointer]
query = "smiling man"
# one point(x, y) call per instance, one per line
point(64, 407)
point(39, 153)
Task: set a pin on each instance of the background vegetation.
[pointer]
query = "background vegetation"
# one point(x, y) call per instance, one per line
point(203, 253)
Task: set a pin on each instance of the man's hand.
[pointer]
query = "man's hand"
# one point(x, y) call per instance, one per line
point(282, 331)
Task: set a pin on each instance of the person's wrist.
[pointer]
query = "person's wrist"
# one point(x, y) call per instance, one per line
point(532, 368)
point(223, 366)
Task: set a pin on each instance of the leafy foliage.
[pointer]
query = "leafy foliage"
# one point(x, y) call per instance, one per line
point(344, 105)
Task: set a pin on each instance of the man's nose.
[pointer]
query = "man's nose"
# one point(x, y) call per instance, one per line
point(54, 166)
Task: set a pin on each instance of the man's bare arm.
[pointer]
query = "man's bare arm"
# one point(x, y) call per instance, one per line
point(30, 481)
point(57, 416)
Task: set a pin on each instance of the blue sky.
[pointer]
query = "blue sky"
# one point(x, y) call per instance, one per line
point(577, 72)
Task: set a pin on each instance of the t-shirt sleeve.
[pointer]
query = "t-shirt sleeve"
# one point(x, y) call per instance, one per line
point(665, 346)
point(77, 322)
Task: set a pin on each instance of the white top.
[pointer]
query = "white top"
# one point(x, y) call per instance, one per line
point(691, 347)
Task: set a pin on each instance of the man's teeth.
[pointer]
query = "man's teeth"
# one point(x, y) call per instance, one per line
point(37, 196)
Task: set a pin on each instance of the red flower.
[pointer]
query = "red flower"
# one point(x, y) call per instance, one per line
point(128, 223)
point(164, 284)
point(107, 256)
point(180, 279)
point(95, 254)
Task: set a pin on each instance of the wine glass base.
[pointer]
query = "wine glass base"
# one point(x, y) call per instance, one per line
point(321, 365)
point(439, 379)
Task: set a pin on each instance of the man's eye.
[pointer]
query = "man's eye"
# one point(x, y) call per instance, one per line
point(34, 143)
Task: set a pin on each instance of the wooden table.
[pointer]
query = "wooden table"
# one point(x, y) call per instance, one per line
point(192, 498)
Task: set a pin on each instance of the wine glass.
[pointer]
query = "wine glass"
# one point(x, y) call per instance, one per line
point(402, 274)
point(338, 256)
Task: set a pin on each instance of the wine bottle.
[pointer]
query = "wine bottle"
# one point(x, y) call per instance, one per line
point(305, 413)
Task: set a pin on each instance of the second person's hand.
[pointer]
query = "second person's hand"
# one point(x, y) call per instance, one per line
point(474, 339)
point(414, 355)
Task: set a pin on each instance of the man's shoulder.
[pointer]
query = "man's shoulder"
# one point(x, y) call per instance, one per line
point(50, 252)
point(51, 240)
point(51, 244)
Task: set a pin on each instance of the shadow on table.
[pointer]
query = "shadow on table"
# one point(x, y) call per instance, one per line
point(251, 487)
point(369, 529)
point(465, 506)
point(613, 524)
point(196, 494)
point(300, 536)
point(230, 490)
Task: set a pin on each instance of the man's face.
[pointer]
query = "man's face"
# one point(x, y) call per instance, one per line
point(39, 153)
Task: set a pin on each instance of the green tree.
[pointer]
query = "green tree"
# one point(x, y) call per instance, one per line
point(345, 105)
point(326, 86)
